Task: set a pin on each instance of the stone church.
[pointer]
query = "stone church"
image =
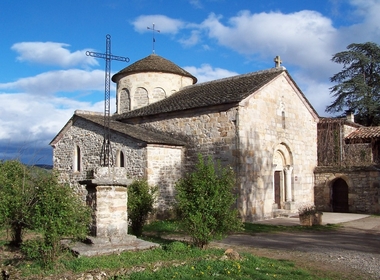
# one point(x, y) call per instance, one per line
point(260, 124)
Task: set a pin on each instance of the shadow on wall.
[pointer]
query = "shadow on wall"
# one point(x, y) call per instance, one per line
point(255, 178)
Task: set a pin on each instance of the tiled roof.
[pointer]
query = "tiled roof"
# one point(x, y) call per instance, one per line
point(132, 130)
point(323, 120)
point(152, 63)
point(365, 133)
point(223, 91)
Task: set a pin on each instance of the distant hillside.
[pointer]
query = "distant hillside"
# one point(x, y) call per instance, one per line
point(44, 166)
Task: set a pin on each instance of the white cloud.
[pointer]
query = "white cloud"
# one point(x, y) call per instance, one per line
point(207, 73)
point(304, 38)
point(27, 118)
point(51, 53)
point(161, 22)
point(196, 3)
point(52, 82)
point(192, 40)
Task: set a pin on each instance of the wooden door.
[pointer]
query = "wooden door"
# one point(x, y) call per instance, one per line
point(277, 188)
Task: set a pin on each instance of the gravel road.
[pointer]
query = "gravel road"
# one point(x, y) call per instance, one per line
point(353, 249)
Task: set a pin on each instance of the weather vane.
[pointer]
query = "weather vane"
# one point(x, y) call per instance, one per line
point(153, 30)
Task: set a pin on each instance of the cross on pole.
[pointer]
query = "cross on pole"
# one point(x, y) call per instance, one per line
point(153, 30)
point(106, 158)
point(277, 61)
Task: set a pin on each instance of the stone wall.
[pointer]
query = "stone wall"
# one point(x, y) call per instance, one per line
point(206, 131)
point(89, 138)
point(164, 169)
point(363, 188)
point(275, 123)
point(134, 84)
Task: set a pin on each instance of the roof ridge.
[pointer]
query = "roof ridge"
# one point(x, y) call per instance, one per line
point(270, 70)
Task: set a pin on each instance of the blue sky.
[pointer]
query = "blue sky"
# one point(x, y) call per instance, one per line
point(45, 74)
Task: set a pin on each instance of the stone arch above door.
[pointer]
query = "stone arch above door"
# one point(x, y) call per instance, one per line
point(282, 176)
point(283, 150)
point(339, 196)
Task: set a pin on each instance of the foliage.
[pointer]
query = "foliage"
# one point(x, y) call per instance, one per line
point(358, 84)
point(58, 213)
point(18, 197)
point(141, 198)
point(204, 202)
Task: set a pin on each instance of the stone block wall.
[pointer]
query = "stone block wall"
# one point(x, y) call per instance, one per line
point(207, 132)
point(89, 137)
point(164, 169)
point(110, 219)
point(363, 188)
point(134, 83)
point(274, 117)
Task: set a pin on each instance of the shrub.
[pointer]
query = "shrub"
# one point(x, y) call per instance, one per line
point(17, 198)
point(205, 200)
point(58, 213)
point(141, 198)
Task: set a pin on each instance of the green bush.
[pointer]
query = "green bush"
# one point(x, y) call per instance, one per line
point(17, 198)
point(58, 213)
point(141, 198)
point(205, 200)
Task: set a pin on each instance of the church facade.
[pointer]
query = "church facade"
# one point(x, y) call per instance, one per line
point(259, 124)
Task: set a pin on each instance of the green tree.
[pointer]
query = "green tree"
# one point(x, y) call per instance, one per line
point(357, 86)
point(205, 201)
point(141, 198)
point(17, 198)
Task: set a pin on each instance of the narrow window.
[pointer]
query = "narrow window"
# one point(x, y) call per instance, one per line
point(121, 159)
point(283, 119)
point(77, 159)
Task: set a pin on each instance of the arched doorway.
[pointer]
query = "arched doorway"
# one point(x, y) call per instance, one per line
point(282, 182)
point(339, 196)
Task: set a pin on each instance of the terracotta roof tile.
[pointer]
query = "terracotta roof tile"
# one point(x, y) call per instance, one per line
point(152, 63)
point(324, 120)
point(365, 133)
point(223, 91)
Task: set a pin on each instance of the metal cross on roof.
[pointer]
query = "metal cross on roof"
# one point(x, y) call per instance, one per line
point(106, 158)
point(153, 30)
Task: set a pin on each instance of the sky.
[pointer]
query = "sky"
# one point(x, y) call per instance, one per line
point(45, 74)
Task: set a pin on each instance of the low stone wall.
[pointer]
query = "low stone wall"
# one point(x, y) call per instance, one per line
point(363, 188)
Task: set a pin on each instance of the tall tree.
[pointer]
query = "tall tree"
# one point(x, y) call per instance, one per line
point(357, 86)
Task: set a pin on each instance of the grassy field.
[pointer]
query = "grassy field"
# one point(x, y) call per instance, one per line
point(174, 260)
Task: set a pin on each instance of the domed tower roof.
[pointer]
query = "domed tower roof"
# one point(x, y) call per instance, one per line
point(152, 63)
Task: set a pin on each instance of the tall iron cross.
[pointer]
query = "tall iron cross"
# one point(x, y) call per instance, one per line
point(106, 158)
point(153, 30)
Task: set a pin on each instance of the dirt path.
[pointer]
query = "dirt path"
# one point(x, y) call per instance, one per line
point(352, 252)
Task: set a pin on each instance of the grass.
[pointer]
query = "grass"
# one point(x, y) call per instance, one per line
point(161, 228)
point(175, 260)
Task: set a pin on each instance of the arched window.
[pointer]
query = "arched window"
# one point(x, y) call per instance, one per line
point(120, 159)
point(124, 104)
point(283, 119)
point(140, 98)
point(77, 159)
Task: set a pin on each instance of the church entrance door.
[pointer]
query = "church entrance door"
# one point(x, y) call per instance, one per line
point(340, 196)
point(277, 188)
